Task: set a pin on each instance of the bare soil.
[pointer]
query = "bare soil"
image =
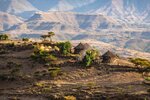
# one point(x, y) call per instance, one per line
point(99, 82)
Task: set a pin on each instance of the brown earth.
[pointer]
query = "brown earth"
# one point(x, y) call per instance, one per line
point(99, 82)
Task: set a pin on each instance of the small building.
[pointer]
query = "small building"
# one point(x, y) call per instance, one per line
point(81, 47)
point(109, 57)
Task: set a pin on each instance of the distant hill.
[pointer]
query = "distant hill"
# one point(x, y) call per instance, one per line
point(122, 23)
point(8, 20)
point(17, 7)
point(126, 10)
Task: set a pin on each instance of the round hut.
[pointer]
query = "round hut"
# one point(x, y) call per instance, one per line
point(81, 47)
point(109, 57)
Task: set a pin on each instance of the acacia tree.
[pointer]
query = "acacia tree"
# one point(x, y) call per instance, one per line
point(25, 39)
point(50, 34)
point(44, 37)
point(4, 37)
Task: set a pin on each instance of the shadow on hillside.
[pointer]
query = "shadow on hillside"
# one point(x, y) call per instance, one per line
point(117, 68)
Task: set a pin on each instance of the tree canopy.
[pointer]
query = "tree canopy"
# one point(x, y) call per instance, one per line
point(65, 47)
point(49, 35)
point(4, 37)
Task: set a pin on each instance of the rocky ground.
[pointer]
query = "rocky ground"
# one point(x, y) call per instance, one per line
point(21, 78)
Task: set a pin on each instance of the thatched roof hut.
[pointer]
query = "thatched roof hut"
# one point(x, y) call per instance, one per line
point(109, 57)
point(81, 47)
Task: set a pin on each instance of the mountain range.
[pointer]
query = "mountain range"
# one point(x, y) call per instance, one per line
point(122, 23)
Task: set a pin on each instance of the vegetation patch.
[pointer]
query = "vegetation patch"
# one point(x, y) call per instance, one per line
point(69, 97)
point(147, 78)
point(65, 47)
point(4, 37)
point(53, 72)
point(141, 62)
point(25, 39)
point(7, 77)
point(90, 56)
point(2, 51)
point(13, 65)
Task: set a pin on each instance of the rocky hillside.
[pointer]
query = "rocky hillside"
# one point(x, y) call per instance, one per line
point(8, 20)
point(122, 23)
point(84, 26)
point(40, 71)
point(128, 11)
point(63, 21)
point(21, 8)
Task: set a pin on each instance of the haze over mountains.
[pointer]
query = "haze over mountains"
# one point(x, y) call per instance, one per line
point(122, 23)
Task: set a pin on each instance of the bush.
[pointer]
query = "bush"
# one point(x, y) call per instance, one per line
point(51, 57)
point(142, 62)
point(39, 54)
point(148, 90)
point(13, 65)
point(2, 51)
point(65, 47)
point(10, 45)
point(4, 37)
point(53, 72)
point(69, 98)
point(147, 78)
point(7, 77)
point(90, 56)
point(25, 39)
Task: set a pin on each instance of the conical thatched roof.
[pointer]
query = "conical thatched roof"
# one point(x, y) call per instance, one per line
point(108, 57)
point(109, 54)
point(82, 46)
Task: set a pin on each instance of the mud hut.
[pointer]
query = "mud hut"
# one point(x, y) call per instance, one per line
point(81, 47)
point(109, 57)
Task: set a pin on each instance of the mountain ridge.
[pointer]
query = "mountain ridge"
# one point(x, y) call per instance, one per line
point(122, 23)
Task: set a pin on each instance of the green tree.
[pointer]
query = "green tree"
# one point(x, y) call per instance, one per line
point(50, 34)
point(4, 37)
point(90, 56)
point(65, 47)
point(44, 37)
point(25, 39)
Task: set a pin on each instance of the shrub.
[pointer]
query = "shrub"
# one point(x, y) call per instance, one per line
point(69, 98)
point(65, 47)
point(39, 84)
point(39, 55)
point(90, 56)
point(4, 37)
point(6, 77)
point(15, 72)
point(53, 72)
point(51, 57)
point(148, 90)
point(147, 78)
point(142, 62)
point(2, 51)
point(13, 65)
point(25, 39)
point(10, 45)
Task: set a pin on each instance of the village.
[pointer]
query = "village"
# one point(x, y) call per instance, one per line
point(59, 70)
